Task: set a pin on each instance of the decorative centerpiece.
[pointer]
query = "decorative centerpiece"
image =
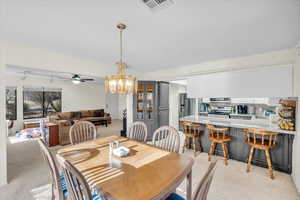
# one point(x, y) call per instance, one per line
point(287, 114)
point(117, 150)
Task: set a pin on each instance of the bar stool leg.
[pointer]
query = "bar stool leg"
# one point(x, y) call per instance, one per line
point(224, 153)
point(269, 163)
point(200, 144)
point(226, 149)
point(250, 159)
point(211, 151)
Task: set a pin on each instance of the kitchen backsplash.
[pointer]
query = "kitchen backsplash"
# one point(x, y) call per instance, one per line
point(261, 108)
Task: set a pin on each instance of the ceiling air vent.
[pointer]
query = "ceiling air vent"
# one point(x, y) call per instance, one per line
point(158, 4)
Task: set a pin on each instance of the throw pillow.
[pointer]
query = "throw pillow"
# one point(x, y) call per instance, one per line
point(76, 115)
point(99, 113)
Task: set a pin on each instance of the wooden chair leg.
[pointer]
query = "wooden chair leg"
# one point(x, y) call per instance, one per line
point(250, 158)
point(200, 144)
point(224, 153)
point(194, 145)
point(184, 144)
point(211, 151)
point(269, 163)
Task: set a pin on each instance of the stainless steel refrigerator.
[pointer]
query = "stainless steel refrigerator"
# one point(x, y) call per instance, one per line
point(186, 106)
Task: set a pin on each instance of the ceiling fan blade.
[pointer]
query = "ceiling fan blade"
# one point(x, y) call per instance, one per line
point(87, 79)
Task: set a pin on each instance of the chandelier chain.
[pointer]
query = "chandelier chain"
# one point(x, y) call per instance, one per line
point(121, 47)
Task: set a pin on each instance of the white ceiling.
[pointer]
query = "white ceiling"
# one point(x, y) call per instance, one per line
point(189, 32)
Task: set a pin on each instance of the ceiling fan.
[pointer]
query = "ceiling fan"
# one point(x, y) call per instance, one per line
point(77, 80)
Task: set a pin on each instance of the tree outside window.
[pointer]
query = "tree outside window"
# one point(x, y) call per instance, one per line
point(39, 104)
point(11, 103)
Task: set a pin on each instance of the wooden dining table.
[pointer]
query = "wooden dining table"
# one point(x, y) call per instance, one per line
point(146, 173)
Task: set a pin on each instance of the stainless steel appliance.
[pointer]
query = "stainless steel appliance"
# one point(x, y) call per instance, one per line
point(186, 106)
point(219, 111)
point(242, 109)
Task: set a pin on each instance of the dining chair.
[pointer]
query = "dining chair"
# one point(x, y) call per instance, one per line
point(167, 138)
point(82, 131)
point(203, 187)
point(138, 131)
point(59, 189)
point(78, 187)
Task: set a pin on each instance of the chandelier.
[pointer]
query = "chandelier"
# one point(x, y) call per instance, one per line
point(121, 83)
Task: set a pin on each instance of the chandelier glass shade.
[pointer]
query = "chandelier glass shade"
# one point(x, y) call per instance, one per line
point(121, 83)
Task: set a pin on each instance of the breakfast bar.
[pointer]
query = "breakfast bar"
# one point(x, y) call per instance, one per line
point(281, 154)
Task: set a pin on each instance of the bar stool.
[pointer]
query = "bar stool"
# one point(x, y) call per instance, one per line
point(191, 131)
point(262, 140)
point(218, 135)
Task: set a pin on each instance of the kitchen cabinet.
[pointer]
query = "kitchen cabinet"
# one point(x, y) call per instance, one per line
point(163, 91)
point(260, 100)
point(242, 100)
point(205, 100)
point(266, 101)
point(276, 81)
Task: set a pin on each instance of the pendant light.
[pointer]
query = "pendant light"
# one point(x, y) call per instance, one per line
point(121, 83)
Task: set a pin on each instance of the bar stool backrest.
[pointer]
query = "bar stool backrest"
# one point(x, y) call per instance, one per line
point(261, 137)
point(219, 133)
point(191, 128)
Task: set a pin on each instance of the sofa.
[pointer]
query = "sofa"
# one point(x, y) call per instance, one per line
point(65, 120)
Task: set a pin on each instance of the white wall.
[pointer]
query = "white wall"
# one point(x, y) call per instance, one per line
point(122, 104)
point(112, 105)
point(296, 152)
point(174, 91)
point(3, 139)
point(129, 102)
point(74, 97)
point(281, 57)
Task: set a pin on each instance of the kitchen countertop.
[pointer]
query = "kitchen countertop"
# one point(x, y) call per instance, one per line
point(236, 123)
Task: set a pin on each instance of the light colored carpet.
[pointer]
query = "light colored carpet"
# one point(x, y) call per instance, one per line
point(29, 177)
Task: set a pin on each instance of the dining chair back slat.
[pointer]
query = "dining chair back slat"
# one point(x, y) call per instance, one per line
point(138, 131)
point(57, 193)
point(166, 138)
point(204, 185)
point(82, 131)
point(77, 186)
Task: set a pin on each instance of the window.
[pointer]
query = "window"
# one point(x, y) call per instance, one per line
point(39, 103)
point(11, 103)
